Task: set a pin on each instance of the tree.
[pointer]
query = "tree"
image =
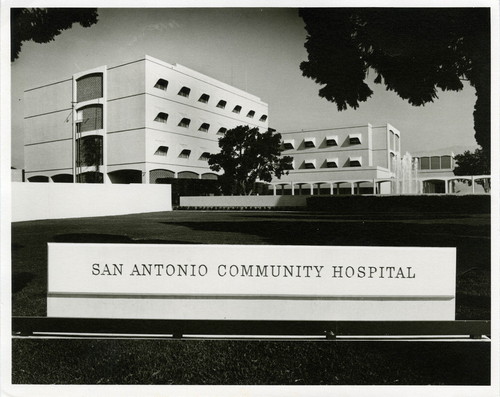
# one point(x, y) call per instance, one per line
point(246, 156)
point(476, 163)
point(42, 24)
point(90, 154)
point(412, 51)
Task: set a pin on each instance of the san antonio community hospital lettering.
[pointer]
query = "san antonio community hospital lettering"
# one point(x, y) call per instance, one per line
point(264, 270)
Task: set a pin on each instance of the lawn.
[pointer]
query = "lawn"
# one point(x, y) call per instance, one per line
point(252, 362)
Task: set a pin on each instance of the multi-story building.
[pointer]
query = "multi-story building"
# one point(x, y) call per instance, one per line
point(144, 121)
point(348, 160)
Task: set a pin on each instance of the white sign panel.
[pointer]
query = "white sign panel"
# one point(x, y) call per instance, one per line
point(242, 282)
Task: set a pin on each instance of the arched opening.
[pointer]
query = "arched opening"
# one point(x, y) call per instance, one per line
point(434, 186)
point(160, 176)
point(342, 188)
point(188, 175)
point(210, 176)
point(125, 176)
point(63, 178)
point(39, 179)
point(363, 187)
point(90, 177)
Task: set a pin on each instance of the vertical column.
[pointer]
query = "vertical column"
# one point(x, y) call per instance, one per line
point(312, 188)
point(145, 177)
point(331, 188)
point(374, 186)
point(473, 184)
point(352, 188)
point(274, 190)
point(293, 193)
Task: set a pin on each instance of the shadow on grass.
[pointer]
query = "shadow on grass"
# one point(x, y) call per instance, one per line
point(21, 280)
point(472, 241)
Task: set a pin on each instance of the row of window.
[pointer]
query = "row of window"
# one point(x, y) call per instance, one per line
point(185, 123)
point(204, 98)
point(184, 154)
point(290, 144)
point(330, 163)
point(435, 163)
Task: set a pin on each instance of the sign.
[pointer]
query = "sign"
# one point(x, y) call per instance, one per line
point(251, 282)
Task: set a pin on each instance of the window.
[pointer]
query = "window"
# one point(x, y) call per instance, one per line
point(185, 154)
point(204, 156)
point(425, 163)
point(331, 163)
point(89, 151)
point(204, 98)
point(310, 164)
point(263, 117)
point(162, 84)
point(237, 109)
point(289, 144)
point(221, 131)
point(161, 151)
point(222, 104)
point(204, 127)
point(446, 162)
point(309, 142)
point(90, 118)
point(184, 91)
point(331, 141)
point(355, 139)
point(355, 162)
point(161, 117)
point(184, 123)
point(89, 87)
point(435, 163)
point(251, 113)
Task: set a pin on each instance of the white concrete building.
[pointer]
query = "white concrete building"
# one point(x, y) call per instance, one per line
point(144, 121)
point(346, 160)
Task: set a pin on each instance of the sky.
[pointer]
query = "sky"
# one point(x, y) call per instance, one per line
point(254, 49)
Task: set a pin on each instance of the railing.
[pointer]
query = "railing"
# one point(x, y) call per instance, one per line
point(64, 327)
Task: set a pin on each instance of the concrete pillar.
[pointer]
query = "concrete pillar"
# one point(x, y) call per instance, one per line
point(274, 190)
point(331, 189)
point(145, 177)
point(352, 188)
point(293, 193)
point(311, 189)
point(446, 182)
point(473, 183)
point(374, 186)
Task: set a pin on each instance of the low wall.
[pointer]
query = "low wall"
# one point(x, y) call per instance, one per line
point(32, 201)
point(243, 201)
point(447, 203)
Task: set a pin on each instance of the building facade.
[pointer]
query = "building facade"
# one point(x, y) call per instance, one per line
point(144, 121)
point(347, 160)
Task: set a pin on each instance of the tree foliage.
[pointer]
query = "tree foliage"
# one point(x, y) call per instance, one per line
point(42, 24)
point(246, 156)
point(476, 163)
point(413, 52)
